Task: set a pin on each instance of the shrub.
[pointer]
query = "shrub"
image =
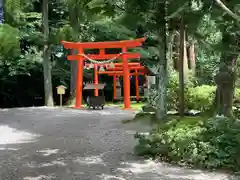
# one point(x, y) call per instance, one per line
point(173, 90)
point(197, 98)
point(236, 108)
point(212, 143)
point(201, 97)
point(237, 93)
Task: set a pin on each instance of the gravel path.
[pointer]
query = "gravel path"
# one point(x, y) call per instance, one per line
point(67, 144)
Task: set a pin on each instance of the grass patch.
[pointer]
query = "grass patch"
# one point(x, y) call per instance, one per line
point(134, 105)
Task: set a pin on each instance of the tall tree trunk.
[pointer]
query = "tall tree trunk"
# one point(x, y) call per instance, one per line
point(46, 57)
point(225, 81)
point(226, 77)
point(73, 78)
point(161, 109)
point(171, 62)
point(176, 49)
point(182, 71)
point(185, 56)
point(192, 57)
point(74, 21)
point(162, 86)
point(1, 12)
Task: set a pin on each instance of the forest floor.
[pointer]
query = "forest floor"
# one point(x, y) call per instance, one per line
point(68, 144)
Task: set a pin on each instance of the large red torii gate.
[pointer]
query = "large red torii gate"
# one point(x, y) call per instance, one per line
point(124, 55)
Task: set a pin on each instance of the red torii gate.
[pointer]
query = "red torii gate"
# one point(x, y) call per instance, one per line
point(117, 71)
point(125, 55)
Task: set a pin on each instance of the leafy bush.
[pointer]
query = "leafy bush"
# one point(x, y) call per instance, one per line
point(9, 38)
point(237, 93)
point(197, 98)
point(173, 89)
point(201, 97)
point(236, 108)
point(212, 143)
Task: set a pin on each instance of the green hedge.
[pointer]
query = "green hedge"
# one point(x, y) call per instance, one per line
point(200, 98)
point(196, 97)
point(212, 143)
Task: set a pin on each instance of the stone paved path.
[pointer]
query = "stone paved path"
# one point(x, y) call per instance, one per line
point(67, 144)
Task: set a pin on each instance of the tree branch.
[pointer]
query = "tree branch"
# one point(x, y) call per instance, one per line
point(119, 7)
point(227, 10)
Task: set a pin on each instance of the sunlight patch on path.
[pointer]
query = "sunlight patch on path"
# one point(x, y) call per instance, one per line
point(136, 168)
point(41, 177)
point(8, 149)
point(110, 177)
point(48, 152)
point(163, 169)
point(90, 160)
point(10, 135)
point(3, 110)
point(48, 164)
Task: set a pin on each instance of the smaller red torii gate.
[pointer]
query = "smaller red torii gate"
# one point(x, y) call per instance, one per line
point(117, 71)
point(124, 55)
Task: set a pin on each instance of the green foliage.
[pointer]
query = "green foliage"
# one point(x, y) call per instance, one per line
point(64, 33)
point(201, 97)
point(106, 29)
point(173, 89)
point(30, 28)
point(208, 37)
point(197, 97)
point(9, 38)
point(212, 143)
point(237, 92)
